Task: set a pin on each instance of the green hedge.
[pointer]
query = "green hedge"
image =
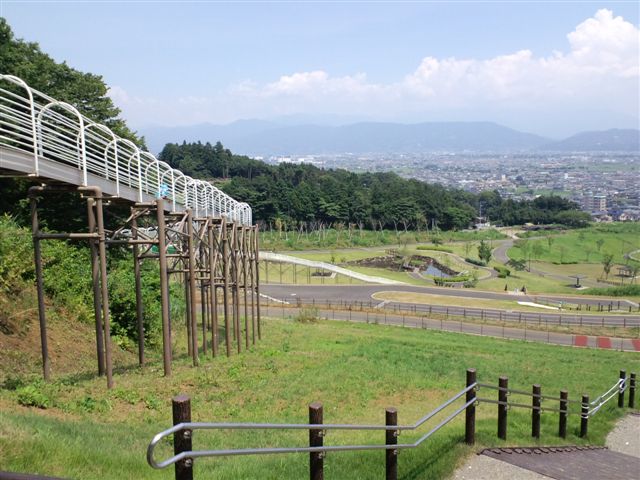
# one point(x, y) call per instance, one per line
point(503, 272)
point(437, 248)
point(475, 261)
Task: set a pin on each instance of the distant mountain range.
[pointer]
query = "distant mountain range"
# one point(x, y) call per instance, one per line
point(262, 137)
point(599, 141)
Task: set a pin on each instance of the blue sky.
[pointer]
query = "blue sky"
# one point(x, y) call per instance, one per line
point(175, 63)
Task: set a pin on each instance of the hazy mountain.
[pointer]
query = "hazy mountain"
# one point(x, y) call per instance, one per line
point(258, 137)
point(614, 140)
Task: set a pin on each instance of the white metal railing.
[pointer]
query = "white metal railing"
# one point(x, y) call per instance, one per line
point(46, 128)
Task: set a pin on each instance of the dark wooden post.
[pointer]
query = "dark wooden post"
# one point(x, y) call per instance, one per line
point(632, 391)
point(535, 411)
point(391, 438)
point(562, 426)
point(470, 414)
point(503, 385)
point(181, 406)
point(584, 416)
point(623, 378)
point(316, 459)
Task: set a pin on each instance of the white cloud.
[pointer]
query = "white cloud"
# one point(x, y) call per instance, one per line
point(597, 70)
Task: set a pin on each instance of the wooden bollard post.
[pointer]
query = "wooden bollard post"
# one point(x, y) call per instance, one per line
point(181, 406)
point(316, 459)
point(562, 422)
point(632, 391)
point(623, 378)
point(470, 413)
point(584, 416)
point(503, 385)
point(535, 411)
point(391, 438)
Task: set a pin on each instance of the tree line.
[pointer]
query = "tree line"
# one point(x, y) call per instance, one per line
point(303, 195)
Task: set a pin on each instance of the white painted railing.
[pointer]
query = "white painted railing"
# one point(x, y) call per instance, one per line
point(45, 128)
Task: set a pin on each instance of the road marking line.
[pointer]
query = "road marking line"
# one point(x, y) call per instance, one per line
point(277, 300)
point(382, 304)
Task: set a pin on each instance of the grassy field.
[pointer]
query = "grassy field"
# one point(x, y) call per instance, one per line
point(586, 245)
point(355, 370)
point(535, 283)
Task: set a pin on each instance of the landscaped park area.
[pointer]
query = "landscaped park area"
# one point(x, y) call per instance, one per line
point(75, 428)
point(543, 262)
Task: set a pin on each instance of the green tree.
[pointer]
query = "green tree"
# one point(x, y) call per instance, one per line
point(484, 251)
point(537, 250)
point(599, 243)
point(518, 264)
point(607, 263)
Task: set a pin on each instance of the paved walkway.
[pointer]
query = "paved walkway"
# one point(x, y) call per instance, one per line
point(620, 461)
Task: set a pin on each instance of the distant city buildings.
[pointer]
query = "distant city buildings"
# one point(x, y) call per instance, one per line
point(607, 185)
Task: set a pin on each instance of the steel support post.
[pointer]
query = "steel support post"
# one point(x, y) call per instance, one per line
point(102, 252)
point(257, 269)
point(37, 254)
point(192, 287)
point(213, 291)
point(236, 285)
point(253, 283)
point(245, 264)
point(139, 305)
point(225, 291)
point(95, 281)
point(187, 310)
point(164, 287)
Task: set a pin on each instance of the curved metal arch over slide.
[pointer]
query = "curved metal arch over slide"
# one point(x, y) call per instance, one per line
point(46, 138)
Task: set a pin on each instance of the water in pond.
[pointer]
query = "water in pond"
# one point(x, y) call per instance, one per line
point(435, 271)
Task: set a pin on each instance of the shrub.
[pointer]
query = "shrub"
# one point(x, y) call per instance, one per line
point(448, 280)
point(307, 315)
point(503, 272)
point(623, 291)
point(437, 248)
point(475, 261)
point(32, 396)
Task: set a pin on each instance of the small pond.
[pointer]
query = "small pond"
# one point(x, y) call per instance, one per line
point(435, 271)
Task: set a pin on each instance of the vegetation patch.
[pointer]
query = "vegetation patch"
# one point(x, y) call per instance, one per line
point(438, 248)
point(354, 369)
point(623, 291)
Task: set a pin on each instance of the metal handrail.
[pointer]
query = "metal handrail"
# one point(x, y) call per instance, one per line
point(619, 387)
point(301, 426)
point(46, 128)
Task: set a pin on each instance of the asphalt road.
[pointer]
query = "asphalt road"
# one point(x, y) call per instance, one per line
point(353, 294)
point(362, 293)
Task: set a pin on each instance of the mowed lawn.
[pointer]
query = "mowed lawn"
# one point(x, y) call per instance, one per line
point(586, 245)
point(355, 370)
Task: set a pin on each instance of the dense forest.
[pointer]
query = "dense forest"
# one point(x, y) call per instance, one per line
point(296, 194)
